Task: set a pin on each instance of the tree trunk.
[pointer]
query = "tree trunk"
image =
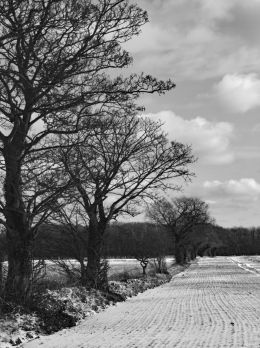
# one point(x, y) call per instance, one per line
point(19, 277)
point(188, 254)
point(94, 250)
point(214, 252)
point(159, 264)
point(193, 253)
point(180, 254)
point(1, 275)
point(18, 234)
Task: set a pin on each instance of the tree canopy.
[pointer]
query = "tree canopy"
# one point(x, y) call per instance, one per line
point(116, 163)
point(180, 216)
point(56, 60)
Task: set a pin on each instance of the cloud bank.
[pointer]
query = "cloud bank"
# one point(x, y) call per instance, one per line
point(210, 141)
point(233, 202)
point(240, 93)
point(244, 188)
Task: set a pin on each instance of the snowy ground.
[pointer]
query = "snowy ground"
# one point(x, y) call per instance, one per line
point(249, 263)
point(74, 302)
point(214, 303)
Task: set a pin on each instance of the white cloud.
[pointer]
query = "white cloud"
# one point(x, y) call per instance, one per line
point(239, 92)
point(233, 202)
point(239, 189)
point(210, 140)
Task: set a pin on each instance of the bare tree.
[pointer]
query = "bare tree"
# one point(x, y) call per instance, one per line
point(123, 161)
point(180, 215)
point(53, 58)
point(2, 257)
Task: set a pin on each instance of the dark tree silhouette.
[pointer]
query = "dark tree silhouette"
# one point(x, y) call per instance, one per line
point(53, 59)
point(180, 215)
point(2, 257)
point(124, 160)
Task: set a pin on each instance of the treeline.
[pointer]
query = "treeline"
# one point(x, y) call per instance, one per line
point(120, 240)
point(128, 239)
point(141, 241)
point(239, 241)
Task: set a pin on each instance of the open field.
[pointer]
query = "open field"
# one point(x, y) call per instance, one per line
point(131, 266)
point(118, 268)
point(214, 303)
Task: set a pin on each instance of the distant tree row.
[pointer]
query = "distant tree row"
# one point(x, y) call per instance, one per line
point(127, 239)
point(143, 241)
point(238, 240)
point(120, 240)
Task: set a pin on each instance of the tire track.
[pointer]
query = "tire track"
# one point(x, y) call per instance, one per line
point(248, 263)
point(212, 304)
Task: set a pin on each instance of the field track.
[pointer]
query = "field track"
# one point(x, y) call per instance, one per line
point(214, 303)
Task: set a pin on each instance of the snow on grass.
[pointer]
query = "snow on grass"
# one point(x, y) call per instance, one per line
point(67, 306)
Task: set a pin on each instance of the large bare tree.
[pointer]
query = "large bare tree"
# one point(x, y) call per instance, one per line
point(2, 257)
point(53, 58)
point(119, 161)
point(180, 216)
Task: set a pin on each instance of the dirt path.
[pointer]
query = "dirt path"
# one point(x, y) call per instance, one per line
point(215, 303)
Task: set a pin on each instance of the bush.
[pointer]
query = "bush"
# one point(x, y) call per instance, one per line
point(62, 308)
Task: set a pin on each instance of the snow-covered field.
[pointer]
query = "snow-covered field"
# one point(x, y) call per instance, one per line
point(214, 303)
point(132, 266)
point(249, 263)
point(116, 268)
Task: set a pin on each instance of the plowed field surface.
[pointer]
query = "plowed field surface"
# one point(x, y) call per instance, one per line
point(214, 303)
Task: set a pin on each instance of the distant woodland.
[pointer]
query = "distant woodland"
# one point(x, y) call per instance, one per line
point(125, 239)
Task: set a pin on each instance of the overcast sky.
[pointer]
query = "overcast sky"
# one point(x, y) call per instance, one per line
point(211, 50)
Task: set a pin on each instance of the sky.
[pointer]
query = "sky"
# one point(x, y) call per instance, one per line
point(211, 50)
